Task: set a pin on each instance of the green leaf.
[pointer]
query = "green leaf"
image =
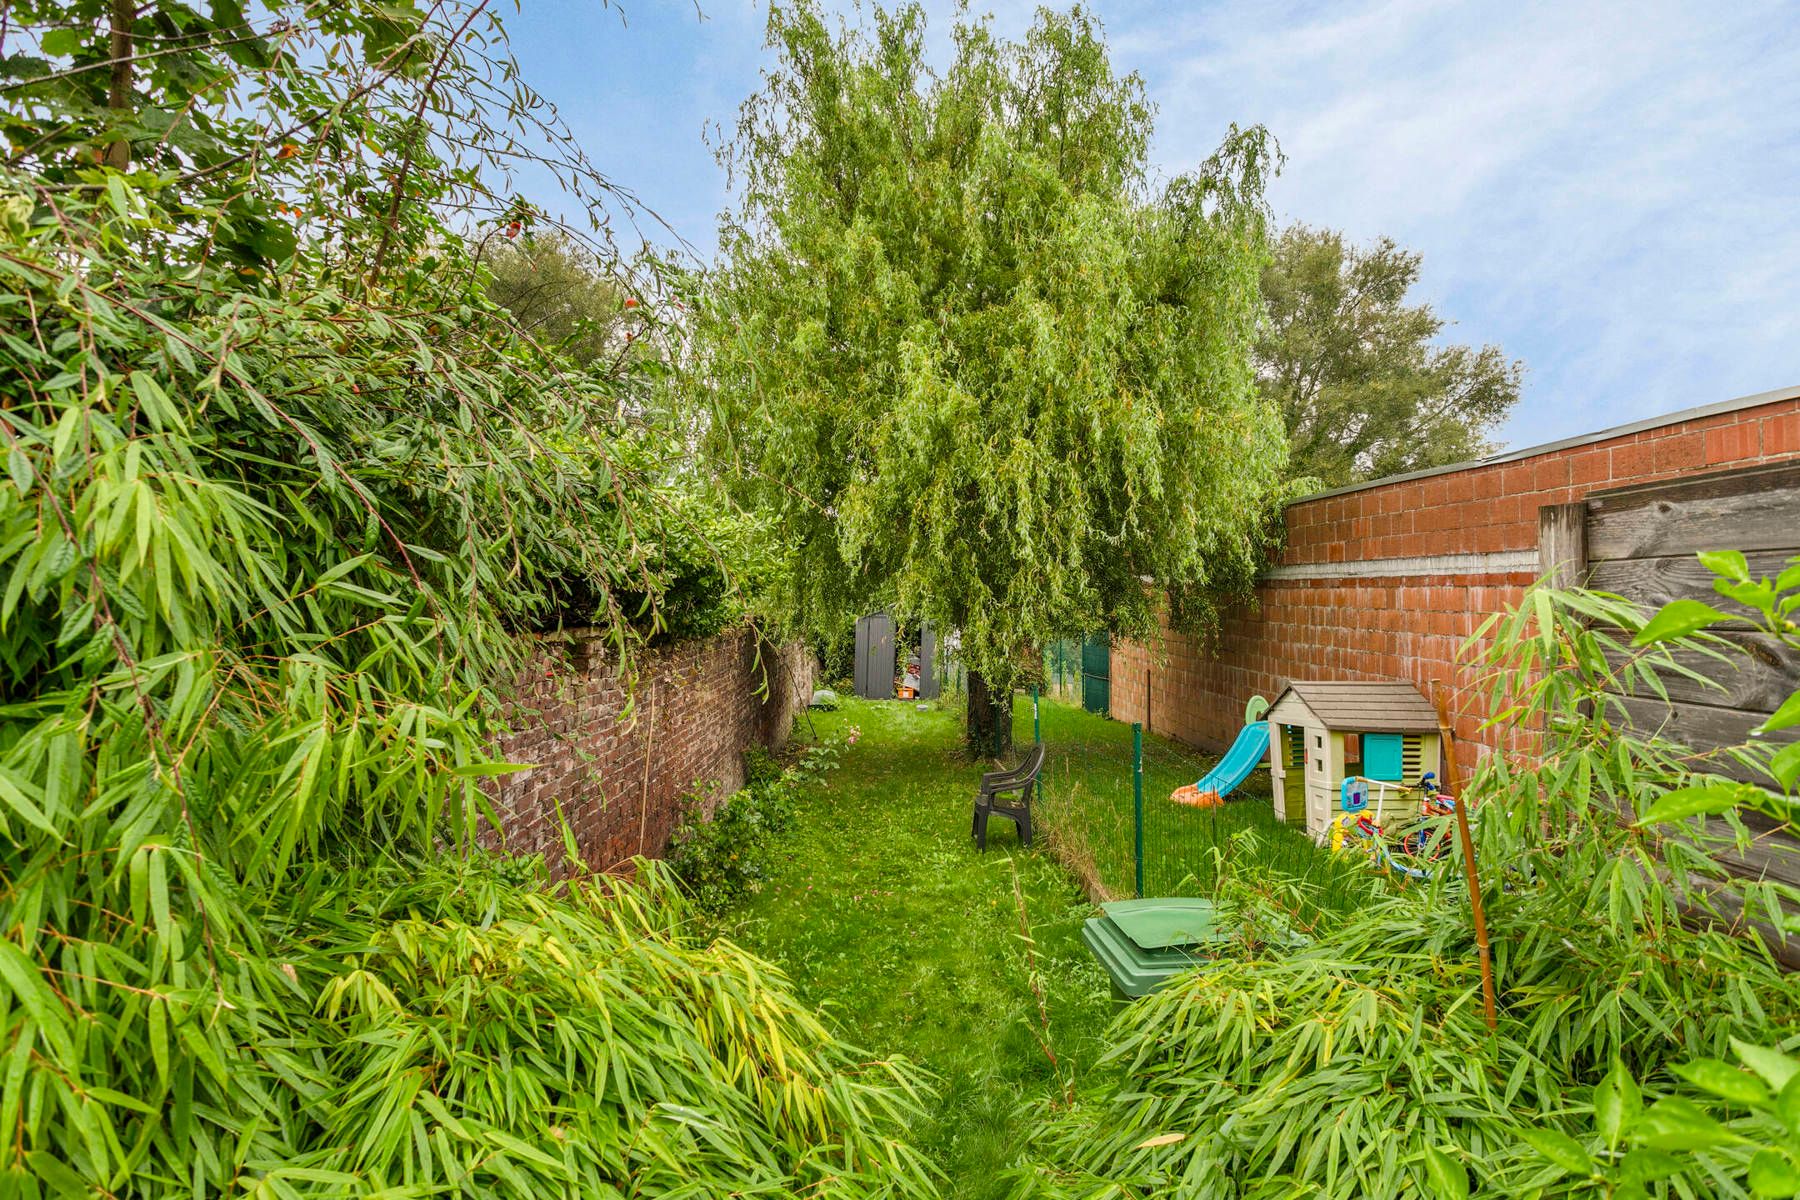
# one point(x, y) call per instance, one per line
point(1787, 1105)
point(53, 1171)
point(1758, 596)
point(1727, 564)
point(1678, 619)
point(1686, 802)
point(1447, 1177)
point(18, 465)
point(1617, 1102)
point(159, 1038)
point(1784, 765)
point(1674, 1123)
point(1559, 1148)
point(26, 982)
point(1772, 1173)
point(12, 790)
point(60, 43)
point(117, 195)
point(490, 768)
point(1775, 1068)
point(1641, 1166)
point(1723, 1080)
point(1788, 714)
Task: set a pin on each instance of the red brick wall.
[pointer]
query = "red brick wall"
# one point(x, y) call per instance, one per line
point(1409, 624)
point(618, 778)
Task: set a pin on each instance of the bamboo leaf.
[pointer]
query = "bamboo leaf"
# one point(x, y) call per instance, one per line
point(1678, 619)
point(1787, 715)
point(1561, 1150)
point(1686, 802)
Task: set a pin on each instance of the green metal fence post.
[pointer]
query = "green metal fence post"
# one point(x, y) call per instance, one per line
point(1037, 739)
point(1137, 802)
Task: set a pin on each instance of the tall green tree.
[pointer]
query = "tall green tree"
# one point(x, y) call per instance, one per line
point(981, 369)
point(1358, 375)
point(560, 296)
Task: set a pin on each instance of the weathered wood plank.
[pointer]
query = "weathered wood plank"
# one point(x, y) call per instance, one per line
point(1758, 509)
point(1773, 853)
point(1758, 674)
point(1721, 900)
point(1654, 581)
point(1562, 544)
point(1703, 727)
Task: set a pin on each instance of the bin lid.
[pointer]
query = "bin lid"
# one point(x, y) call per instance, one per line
point(1162, 923)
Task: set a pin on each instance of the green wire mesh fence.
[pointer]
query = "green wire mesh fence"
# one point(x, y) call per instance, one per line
point(1088, 814)
point(1062, 671)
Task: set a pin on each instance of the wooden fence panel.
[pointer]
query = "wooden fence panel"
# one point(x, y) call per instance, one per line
point(1640, 542)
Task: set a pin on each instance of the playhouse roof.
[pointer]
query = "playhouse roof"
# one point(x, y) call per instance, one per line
point(1383, 706)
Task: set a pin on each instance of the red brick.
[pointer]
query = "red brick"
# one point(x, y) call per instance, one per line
point(1589, 467)
point(1781, 434)
point(699, 697)
point(1734, 443)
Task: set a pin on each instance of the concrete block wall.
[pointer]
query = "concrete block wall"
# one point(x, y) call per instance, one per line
point(1386, 580)
point(620, 778)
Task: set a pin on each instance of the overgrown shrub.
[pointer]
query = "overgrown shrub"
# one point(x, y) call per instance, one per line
point(279, 482)
point(724, 856)
point(761, 766)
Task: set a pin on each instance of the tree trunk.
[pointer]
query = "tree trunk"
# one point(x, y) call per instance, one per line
point(124, 17)
point(990, 718)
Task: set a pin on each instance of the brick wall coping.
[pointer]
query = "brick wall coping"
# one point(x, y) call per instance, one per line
point(1493, 562)
point(1757, 400)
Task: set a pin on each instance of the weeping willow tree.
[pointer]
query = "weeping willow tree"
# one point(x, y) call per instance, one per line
point(981, 369)
point(280, 484)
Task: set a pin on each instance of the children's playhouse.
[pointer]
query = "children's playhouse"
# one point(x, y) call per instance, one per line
point(1368, 742)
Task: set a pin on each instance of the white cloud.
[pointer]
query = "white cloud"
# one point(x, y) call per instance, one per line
point(1605, 189)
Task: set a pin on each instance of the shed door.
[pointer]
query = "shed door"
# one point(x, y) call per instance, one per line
point(1096, 675)
point(875, 657)
point(928, 675)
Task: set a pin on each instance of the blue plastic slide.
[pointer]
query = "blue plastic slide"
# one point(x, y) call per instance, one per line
point(1245, 755)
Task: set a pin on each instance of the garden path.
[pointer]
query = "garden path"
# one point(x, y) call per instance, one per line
point(881, 910)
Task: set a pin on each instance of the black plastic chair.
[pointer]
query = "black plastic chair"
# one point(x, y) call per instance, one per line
point(1017, 782)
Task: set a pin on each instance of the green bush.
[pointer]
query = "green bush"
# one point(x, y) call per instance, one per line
point(761, 766)
point(279, 481)
point(724, 856)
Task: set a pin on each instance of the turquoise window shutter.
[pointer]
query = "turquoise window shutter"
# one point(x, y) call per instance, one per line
point(1382, 756)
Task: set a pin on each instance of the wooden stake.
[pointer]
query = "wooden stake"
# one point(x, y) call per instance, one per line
point(644, 805)
point(1452, 786)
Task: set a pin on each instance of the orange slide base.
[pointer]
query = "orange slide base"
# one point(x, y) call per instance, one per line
point(1195, 798)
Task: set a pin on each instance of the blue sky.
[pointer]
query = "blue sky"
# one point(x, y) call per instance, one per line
point(1609, 191)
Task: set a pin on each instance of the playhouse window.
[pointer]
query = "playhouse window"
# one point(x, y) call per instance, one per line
point(1384, 756)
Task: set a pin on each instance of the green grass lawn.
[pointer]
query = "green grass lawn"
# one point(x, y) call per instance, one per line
point(881, 911)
